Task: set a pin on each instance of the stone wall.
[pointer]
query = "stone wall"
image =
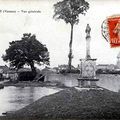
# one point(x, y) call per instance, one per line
point(67, 79)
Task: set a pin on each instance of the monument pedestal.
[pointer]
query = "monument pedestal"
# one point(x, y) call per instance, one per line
point(87, 82)
point(88, 73)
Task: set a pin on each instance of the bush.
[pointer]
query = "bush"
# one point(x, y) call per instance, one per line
point(99, 71)
point(75, 71)
point(64, 71)
point(26, 76)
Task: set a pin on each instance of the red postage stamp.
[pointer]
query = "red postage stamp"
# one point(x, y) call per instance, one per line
point(114, 30)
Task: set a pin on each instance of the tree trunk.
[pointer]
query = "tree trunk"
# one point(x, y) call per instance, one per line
point(70, 56)
point(33, 68)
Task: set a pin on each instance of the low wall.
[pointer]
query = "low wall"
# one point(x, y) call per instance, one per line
point(66, 79)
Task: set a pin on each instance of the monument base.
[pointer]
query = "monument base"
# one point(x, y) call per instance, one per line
point(87, 82)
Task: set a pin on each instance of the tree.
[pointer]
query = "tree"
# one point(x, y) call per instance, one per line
point(69, 11)
point(28, 51)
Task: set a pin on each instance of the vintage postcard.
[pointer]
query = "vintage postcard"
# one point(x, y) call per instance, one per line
point(59, 59)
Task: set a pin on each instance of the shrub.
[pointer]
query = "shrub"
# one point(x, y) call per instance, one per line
point(64, 71)
point(99, 71)
point(26, 76)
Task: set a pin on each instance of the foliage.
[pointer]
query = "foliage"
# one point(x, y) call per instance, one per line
point(99, 71)
point(28, 51)
point(107, 71)
point(26, 76)
point(69, 10)
point(67, 71)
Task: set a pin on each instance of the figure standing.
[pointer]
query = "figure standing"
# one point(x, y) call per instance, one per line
point(88, 38)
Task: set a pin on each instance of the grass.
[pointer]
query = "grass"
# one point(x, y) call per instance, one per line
point(72, 104)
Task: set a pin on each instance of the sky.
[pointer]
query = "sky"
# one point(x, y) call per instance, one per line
point(56, 34)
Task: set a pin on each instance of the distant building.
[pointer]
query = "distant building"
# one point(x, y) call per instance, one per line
point(24, 70)
point(105, 66)
point(12, 74)
point(102, 66)
point(65, 67)
point(62, 67)
point(56, 69)
point(111, 67)
point(4, 69)
point(118, 61)
point(47, 70)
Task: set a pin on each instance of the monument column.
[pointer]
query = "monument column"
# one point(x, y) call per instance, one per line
point(88, 39)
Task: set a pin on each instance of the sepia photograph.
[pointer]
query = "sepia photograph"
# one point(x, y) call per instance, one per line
point(59, 59)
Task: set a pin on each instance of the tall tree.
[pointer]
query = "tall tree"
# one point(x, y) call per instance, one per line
point(69, 11)
point(28, 51)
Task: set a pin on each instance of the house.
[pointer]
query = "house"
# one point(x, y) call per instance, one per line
point(4, 71)
point(105, 67)
point(64, 67)
point(12, 74)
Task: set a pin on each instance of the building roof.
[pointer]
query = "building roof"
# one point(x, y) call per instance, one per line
point(65, 66)
point(103, 65)
point(5, 68)
point(24, 69)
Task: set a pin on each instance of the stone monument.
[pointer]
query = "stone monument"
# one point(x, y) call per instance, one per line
point(88, 65)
